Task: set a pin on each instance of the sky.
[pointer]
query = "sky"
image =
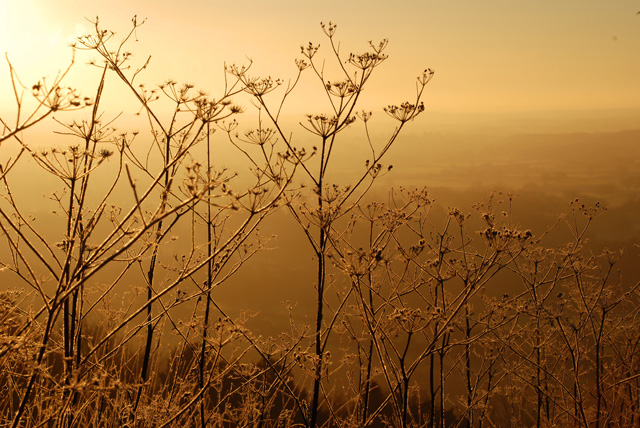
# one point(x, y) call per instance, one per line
point(491, 56)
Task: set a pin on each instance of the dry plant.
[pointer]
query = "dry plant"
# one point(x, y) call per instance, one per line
point(421, 317)
point(166, 187)
point(318, 212)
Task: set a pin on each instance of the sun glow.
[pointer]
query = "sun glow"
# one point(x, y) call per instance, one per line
point(487, 57)
point(35, 38)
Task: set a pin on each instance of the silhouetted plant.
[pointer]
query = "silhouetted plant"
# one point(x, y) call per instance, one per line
point(422, 317)
point(319, 212)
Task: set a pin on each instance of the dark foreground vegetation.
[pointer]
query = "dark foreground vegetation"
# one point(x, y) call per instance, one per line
point(109, 315)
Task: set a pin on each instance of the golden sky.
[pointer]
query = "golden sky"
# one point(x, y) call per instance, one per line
point(490, 56)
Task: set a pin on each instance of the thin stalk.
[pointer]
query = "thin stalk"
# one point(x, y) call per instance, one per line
point(144, 373)
point(467, 358)
point(322, 243)
point(208, 285)
point(367, 384)
point(318, 329)
point(599, 369)
point(432, 388)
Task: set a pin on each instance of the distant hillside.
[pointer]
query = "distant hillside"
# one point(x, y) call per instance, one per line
point(596, 164)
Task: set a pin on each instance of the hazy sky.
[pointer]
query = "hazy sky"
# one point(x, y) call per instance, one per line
point(489, 56)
